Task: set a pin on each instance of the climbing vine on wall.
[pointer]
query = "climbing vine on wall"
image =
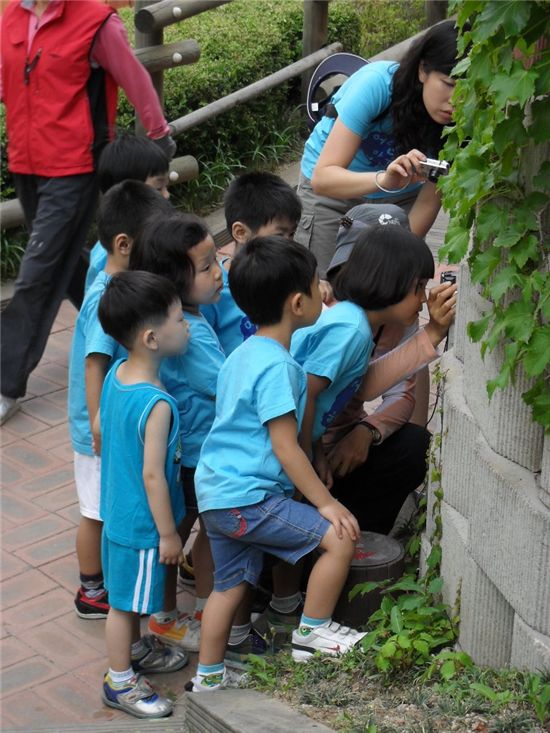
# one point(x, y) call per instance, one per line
point(498, 190)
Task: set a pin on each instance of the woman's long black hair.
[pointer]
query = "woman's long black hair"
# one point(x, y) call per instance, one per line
point(412, 125)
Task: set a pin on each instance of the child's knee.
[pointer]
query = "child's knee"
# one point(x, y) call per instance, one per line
point(343, 547)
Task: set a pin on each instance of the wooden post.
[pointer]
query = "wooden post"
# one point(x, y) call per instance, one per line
point(314, 34)
point(169, 55)
point(143, 40)
point(436, 10)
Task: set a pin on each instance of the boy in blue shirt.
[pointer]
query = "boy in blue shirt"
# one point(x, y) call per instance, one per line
point(122, 213)
point(127, 157)
point(141, 495)
point(257, 204)
point(251, 461)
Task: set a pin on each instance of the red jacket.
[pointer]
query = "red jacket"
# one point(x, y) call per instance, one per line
point(58, 109)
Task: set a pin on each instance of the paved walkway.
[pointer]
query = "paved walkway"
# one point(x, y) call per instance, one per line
point(52, 661)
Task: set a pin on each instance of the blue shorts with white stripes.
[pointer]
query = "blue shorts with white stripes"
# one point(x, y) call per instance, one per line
point(134, 578)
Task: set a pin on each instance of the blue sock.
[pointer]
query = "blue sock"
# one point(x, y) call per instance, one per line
point(307, 624)
point(204, 669)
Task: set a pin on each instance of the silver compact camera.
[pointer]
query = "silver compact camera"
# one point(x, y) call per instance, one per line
point(432, 169)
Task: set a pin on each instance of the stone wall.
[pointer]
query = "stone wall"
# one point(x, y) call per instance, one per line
point(496, 507)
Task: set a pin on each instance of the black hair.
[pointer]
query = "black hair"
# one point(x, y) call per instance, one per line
point(132, 300)
point(435, 50)
point(163, 245)
point(125, 208)
point(130, 156)
point(384, 264)
point(265, 272)
point(258, 197)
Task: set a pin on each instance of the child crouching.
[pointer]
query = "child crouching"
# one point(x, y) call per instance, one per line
point(251, 461)
point(141, 496)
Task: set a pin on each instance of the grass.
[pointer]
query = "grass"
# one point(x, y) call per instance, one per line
point(349, 694)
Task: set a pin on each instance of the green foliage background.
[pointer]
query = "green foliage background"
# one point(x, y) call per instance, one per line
point(242, 42)
point(498, 191)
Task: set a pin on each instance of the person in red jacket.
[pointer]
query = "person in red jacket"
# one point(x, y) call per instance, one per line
point(61, 65)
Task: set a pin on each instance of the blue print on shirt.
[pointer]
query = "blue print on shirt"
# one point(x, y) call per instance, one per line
point(379, 147)
point(247, 328)
point(340, 402)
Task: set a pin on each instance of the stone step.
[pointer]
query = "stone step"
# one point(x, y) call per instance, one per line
point(244, 711)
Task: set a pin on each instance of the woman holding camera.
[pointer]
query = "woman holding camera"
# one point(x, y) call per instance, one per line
point(384, 121)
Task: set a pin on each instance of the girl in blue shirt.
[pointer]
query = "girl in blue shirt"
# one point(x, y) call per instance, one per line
point(382, 282)
point(388, 118)
point(181, 248)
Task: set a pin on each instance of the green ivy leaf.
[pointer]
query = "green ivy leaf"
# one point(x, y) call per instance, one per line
point(448, 669)
point(537, 356)
point(526, 249)
point(476, 329)
point(519, 86)
point(510, 131)
point(502, 282)
point(421, 646)
point(435, 586)
point(518, 320)
point(485, 264)
point(389, 649)
point(540, 127)
point(538, 397)
point(542, 179)
point(456, 243)
point(489, 220)
point(510, 15)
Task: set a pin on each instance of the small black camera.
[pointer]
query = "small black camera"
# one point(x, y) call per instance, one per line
point(448, 277)
point(432, 169)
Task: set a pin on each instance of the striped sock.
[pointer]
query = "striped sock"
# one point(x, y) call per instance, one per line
point(209, 675)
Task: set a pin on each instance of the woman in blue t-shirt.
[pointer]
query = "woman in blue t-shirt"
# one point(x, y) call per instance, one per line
point(388, 117)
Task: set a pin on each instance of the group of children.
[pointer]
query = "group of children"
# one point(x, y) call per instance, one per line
point(200, 388)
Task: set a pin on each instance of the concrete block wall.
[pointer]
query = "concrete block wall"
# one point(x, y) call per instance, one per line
point(496, 506)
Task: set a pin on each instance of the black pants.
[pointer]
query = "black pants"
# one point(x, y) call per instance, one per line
point(58, 213)
point(375, 491)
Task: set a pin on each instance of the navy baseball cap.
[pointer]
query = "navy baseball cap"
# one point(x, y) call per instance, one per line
point(356, 220)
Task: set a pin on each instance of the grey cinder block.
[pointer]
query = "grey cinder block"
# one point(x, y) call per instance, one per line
point(530, 649)
point(544, 492)
point(510, 535)
point(243, 711)
point(486, 620)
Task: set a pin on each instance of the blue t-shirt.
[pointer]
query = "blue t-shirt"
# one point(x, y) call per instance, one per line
point(98, 260)
point(191, 378)
point(359, 101)
point(260, 381)
point(124, 507)
point(88, 338)
point(337, 347)
point(231, 325)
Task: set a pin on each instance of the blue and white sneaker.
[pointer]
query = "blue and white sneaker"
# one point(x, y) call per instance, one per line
point(138, 699)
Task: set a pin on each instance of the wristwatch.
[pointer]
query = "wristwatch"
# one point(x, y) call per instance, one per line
point(376, 436)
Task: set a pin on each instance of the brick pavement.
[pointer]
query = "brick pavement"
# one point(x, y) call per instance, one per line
point(51, 660)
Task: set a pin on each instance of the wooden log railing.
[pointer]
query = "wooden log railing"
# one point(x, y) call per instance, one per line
point(155, 17)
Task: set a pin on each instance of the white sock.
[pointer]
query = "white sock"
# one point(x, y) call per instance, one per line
point(200, 603)
point(286, 604)
point(120, 679)
point(239, 633)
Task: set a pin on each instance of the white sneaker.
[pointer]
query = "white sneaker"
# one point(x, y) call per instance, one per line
point(185, 632)
point(8, 405)
point(230, 678)
point(330, 638)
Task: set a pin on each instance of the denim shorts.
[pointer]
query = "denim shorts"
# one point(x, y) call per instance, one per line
point(277, 525)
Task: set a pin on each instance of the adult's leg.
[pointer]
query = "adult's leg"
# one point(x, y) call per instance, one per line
point(375, 491)
point(64, 210)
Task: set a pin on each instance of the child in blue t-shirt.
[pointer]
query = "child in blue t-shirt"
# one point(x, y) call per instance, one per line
point(122, 213)
point(383, 282)
point(251, 461)
point(133, 157)
point(257, 204)
point(141, 497)
point(181, 248)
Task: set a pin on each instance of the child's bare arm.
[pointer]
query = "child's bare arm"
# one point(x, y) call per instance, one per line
point(315, 385)
point(96, 367)
point(154, 478)
point(284, 439)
